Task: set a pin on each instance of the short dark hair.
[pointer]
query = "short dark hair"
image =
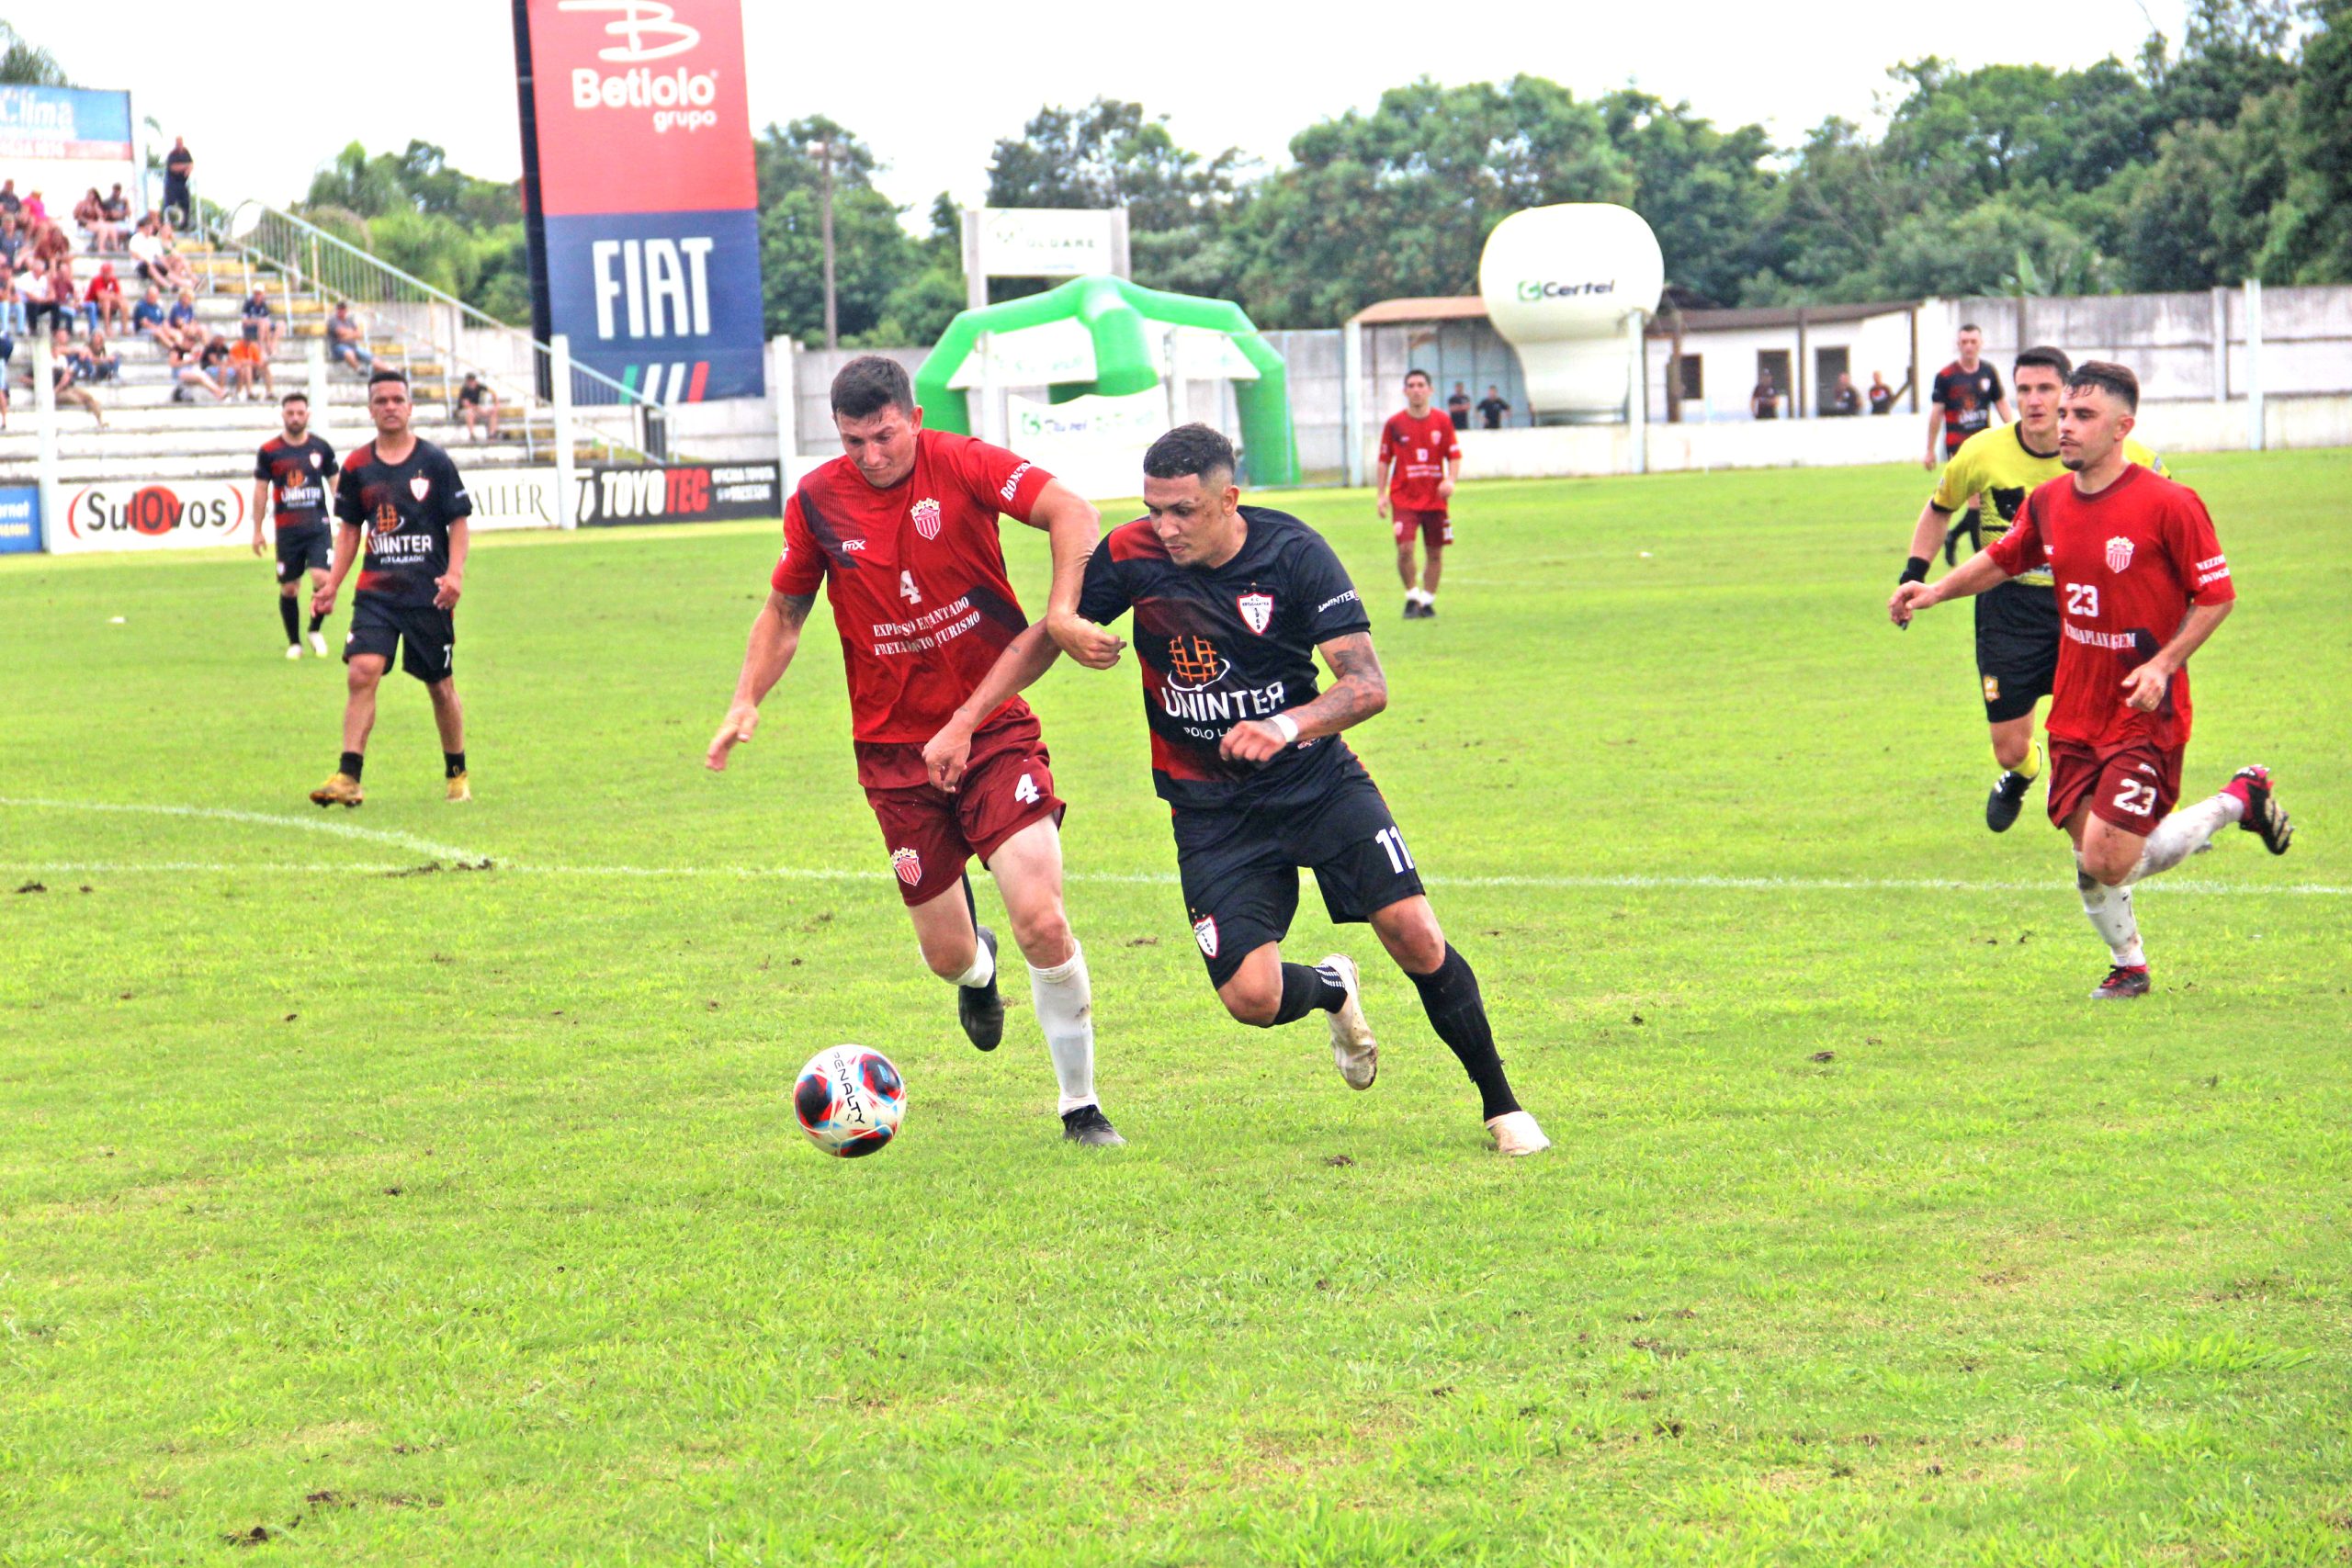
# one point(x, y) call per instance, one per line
point(1416, 370)
point(302, 398)
point(870, 383)
point(1972, 327)
point(1193, 449)
point(2108, 376)
point(385, 373)
point(2048, 359)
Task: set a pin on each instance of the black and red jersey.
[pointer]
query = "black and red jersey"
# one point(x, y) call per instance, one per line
point(406, 508)
point(1218, 645)
point(1967, 397)
point(297, 473)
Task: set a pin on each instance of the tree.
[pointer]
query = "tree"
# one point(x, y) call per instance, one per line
point(1704, 191)
point(872, 252)
point(24, 63)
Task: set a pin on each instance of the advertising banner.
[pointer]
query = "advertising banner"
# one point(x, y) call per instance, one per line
point(642, 203)
point(1094, 445)
point(44, 123)
point(19, 519)
point(165, 515)
point(512, 498)
point(679, 492)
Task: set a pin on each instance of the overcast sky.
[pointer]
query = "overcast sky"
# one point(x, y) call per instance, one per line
point(265, 93)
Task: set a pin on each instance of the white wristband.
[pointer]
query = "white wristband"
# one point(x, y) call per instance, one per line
point(1285, 726)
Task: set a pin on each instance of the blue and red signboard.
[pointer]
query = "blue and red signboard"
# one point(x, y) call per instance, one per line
point(644, 213)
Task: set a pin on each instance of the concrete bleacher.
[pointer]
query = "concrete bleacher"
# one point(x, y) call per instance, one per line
point(150, 435)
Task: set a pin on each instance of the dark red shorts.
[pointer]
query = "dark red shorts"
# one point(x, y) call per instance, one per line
point(2133, 787)
point(1007, 785)
point(1436, 528)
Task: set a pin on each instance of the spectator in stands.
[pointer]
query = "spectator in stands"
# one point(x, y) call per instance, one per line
point(63, 377)
point(1881, 394)
point(11, 202)
point(11, 304)
point(13, 238)
point(40, 296)
point(146, 248)
point(259, 325)
point(36, 211)
point(178, 163)
point(1847, 400)
point(347, 340)
point(147, 319)
point(247, 360)
point(102, 301)
point(90, 212)
point(1457, 408)
point(1764, 402)
point(477, 401)
point(182, 320)
point(104, 363)
point(1493, 412)
point(190, 376)
point(50, 242)
point(117, 209)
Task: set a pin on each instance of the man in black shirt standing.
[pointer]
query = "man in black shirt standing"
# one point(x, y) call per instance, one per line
point(1492, 409)
point(290, 476)
point(403, 496)
point(1231, 604)
point(1457, 407)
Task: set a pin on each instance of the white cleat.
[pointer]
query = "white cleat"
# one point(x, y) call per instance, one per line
point(1351, 1046)
point(1516, 1134)
point(319, 644)
point(293, 650)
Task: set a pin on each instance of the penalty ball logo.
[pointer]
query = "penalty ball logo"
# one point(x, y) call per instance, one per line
point(926, 516)
point(907, 864)
point(2118, 554)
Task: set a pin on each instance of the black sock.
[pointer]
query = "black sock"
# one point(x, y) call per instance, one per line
point(352, 763)
point(1459, 1015)
point(453, 763)
point(1308, 987)
point(317, 621)
point(292, 613)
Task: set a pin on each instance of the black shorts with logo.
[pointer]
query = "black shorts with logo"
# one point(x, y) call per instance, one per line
point(2016, 648)
point(427, 637)
point(1240, 867)
point(303, 547)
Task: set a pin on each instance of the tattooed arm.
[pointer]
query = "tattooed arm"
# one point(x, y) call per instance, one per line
point(1358, 690)
point(775, 635)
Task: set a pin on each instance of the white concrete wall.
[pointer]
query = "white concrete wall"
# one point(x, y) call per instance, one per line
point(1727, 363)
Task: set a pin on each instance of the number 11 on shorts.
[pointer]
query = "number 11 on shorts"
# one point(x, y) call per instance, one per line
point(1400, 858)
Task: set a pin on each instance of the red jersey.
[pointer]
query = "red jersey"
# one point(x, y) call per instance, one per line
point(1419, 448)
point(2128, 563)
point(916, 577)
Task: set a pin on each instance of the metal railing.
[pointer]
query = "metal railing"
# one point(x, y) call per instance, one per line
point(440, 326)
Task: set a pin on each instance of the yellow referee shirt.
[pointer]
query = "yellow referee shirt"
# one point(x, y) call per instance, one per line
point(1997, 463)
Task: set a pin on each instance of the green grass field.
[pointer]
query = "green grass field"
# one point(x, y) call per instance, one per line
point(359, 1206)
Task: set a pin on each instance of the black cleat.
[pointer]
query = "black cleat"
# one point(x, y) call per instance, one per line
point(2122, 984)
point(1413, 609)
point(1087, 1125)
point(981, 1008)
point(2264, 814)
point(1429, 609)
point(2008, 798)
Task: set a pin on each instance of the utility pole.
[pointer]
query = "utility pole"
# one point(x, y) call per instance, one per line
point(825, 191)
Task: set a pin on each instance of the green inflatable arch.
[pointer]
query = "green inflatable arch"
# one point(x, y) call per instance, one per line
point(1113, 312)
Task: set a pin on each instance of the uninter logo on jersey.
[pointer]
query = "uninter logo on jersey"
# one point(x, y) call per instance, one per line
point(926, 514)
point(2118, 554)
point(1193, 664)
point(680, 99)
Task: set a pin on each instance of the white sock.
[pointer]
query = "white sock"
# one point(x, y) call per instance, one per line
point(2186, 832)
point(1064, 999)
point(2109, 909)
point(983, 967)
point(1418, 596)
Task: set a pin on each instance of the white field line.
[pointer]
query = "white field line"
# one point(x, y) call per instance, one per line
point(1632, 883)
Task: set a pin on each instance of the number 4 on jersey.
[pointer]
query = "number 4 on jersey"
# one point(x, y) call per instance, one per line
point(907, 589)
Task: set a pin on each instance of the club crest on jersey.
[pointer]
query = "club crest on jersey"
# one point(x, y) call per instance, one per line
point(1204, 932)
point(907, 864)
point(316, 460)
point(926, 516)
point(2118, 553)
point(1257, 610)
point(419, 486)
point(1192, 661)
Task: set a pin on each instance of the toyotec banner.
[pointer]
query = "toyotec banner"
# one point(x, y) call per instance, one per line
point(638, 176)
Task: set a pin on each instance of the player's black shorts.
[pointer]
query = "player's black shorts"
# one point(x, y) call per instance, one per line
point(2016, 648)
point(303, 547)
point(427, 637)
point(1240, 868)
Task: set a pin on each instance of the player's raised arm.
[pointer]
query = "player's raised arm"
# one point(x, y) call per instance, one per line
point(775, 635)
point(1075, 526)
point(1357, 691)
point(1973, 576)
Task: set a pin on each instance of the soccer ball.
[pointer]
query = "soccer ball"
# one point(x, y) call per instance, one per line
point(850, 1100)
